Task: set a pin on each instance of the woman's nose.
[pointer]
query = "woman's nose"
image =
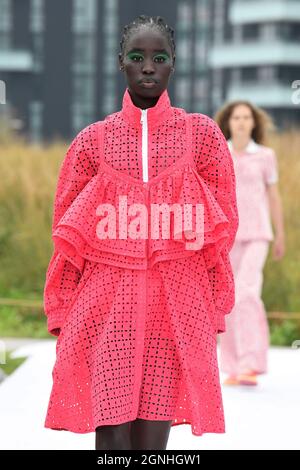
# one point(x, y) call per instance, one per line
point(148, 66)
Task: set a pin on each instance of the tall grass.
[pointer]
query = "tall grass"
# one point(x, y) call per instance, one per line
point(282, 278)
point(28, 177)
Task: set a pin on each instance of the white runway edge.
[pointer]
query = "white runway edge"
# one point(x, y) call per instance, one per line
point(262, 417)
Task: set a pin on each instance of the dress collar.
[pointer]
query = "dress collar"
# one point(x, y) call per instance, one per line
point(252, 146)
point(155, 115)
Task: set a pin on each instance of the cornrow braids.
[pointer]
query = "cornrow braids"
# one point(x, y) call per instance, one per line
point(156, 22)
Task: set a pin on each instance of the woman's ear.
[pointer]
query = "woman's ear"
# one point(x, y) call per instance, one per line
point(120, 61)
point(173, 66)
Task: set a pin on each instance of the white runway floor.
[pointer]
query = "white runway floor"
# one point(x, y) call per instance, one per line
point(262, 417)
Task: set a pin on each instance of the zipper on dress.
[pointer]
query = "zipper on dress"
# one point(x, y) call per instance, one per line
point(144, 144)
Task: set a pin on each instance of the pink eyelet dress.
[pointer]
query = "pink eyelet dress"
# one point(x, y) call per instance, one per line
point(137, 318)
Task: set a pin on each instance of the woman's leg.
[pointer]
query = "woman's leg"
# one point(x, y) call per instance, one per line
point(244, 345)
point(146, 434)
point(229, 357)
point(113, 437)
point(253, 324)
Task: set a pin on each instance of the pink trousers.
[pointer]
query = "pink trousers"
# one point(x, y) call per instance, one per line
point(244, 344)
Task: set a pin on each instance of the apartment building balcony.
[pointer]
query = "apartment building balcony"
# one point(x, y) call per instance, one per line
point(16, 61)
point(255, 11)
point(270, 94)
point(255, 53)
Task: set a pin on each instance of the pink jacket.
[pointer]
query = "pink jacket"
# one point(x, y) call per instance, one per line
point(255, 168)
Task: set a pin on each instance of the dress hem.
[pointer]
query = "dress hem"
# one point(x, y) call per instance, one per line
point(177, 423)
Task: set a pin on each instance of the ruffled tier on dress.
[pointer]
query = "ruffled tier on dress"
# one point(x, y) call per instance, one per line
point(76, 235)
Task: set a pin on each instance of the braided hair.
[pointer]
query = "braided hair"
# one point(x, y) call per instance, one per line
point(155, 22)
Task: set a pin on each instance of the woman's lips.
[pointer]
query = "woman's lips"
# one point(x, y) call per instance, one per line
point(148, 84)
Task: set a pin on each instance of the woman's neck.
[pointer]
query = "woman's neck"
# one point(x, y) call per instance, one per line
point(143, 102)
point(239, 143)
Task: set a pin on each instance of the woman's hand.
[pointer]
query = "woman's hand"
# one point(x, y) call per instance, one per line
point(278, 248)
point(275, 202)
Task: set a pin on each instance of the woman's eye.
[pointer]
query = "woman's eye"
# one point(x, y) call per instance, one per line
point(161, 58)
point(133, 57)
point(136, 58)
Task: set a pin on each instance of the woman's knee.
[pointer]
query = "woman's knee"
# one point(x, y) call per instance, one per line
point(113, 437)
point(149, 434)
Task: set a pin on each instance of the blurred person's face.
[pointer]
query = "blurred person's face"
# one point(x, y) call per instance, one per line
point(241, 121)
point(147, 57)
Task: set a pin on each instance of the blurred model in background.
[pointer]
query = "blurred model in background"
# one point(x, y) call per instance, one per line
point(244, 344)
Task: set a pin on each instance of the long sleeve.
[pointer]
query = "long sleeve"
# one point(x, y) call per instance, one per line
point(62, 277)
point(215, 165)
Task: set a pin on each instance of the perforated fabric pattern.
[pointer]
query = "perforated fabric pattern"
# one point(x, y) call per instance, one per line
point(137, 319)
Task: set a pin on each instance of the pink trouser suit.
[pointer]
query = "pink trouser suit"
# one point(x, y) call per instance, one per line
point(244, 344)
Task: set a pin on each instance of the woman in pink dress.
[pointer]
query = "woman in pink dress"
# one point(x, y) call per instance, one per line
point(137, 314)
point(244, 345)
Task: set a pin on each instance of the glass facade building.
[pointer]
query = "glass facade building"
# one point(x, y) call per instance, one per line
point(59, 60)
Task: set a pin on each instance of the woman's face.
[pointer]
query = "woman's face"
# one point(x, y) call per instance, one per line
point(147, 56)
point(241, 121)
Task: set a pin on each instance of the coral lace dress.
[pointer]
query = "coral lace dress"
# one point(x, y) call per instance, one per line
point(137, 318)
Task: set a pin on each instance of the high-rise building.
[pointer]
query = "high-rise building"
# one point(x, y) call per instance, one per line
point(59, 59)
point(255, 55)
